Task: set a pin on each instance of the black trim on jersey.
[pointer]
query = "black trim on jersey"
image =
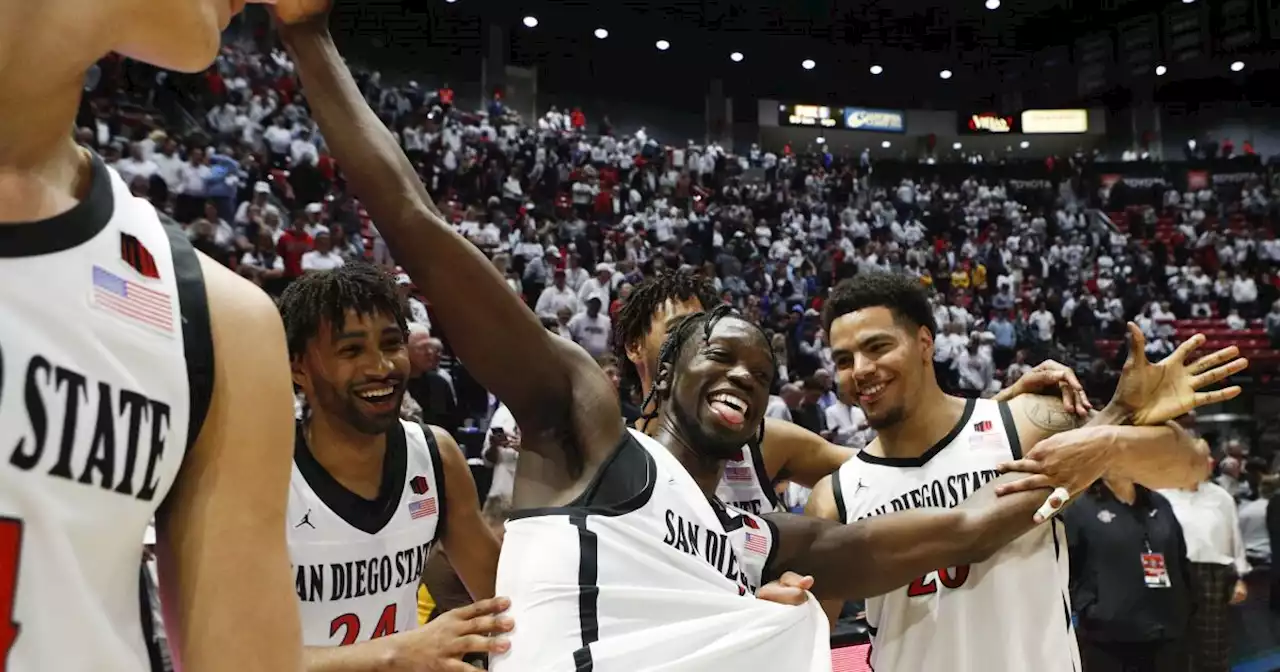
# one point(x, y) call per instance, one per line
point(1011, 430)
point(773, 550)
point(838, 491)
point(623, 484)
point(588, 592)
point(148, 621)
point(437, 469)
point(64, 231)
point(928, 454)
point(757, 459)
point(363, 514)
point(197, 331)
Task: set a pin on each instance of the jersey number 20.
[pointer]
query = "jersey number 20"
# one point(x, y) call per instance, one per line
point(350, 625)
point(10, 546)
point(951, 578)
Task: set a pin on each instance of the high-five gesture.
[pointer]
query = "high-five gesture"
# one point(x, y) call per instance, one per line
point(1155, 393)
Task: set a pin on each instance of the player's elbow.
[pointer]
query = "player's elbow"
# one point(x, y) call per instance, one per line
point(976, 541)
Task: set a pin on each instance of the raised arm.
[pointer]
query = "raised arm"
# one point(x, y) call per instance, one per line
point(551, 386)
point(871, 557)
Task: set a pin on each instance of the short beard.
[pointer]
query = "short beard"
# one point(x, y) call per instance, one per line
point(346, 408)
point(890, 419)
point(700, 441)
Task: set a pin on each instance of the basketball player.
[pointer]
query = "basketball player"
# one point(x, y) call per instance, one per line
point(372, 494)
point(787, 451)
point(1010, 613)
point(137, 379)
point(622, 556)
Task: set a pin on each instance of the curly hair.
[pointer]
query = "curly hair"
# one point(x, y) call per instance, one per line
point(321, 295)
point(635, 317)
point(901, 294)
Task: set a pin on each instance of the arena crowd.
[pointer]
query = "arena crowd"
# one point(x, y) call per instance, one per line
point(576, 216)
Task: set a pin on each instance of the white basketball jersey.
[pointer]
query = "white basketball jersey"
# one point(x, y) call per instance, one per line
point(1011, 613)
point(106, 367)
point(645, 572)
point(745, 483)
point(357, 563)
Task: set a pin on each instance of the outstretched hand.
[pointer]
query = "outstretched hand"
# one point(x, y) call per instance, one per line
point(1152, 394)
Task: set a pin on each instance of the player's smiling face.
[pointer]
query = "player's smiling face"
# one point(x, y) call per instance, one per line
point(721, 386)
point(881, 363)
point(356, 371)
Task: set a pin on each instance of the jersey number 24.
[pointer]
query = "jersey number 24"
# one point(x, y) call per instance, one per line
point(948, 577)
point(350, 626)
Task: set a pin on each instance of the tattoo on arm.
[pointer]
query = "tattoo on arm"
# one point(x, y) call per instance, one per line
point(1048, 414)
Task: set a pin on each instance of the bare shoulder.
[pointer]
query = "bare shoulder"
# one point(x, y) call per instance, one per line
point(450, 452)
point(822, 501)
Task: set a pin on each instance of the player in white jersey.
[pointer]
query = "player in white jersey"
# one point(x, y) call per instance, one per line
point(622, 550)
point(137, 379)
point(787, 451)
point(372, 494)
point(1010, 613)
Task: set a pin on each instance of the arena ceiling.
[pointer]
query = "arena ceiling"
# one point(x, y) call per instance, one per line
point(1024, 53)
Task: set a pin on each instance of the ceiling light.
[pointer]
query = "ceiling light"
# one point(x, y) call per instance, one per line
point(601, 33)
point(531, 22)
point(1187, 2)
point(1024, 144)
point(876, 69)
point(451, 1)
point(886, 144)
point(1237, 66)
point(993, 4)
point(945, 74)
point(662, 45)
point(957, 146)
point(821, 140)
point(1160, 70)
point(807, 64)
point(736, 57)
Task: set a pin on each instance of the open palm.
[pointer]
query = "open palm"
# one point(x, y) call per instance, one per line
point(1155, 393)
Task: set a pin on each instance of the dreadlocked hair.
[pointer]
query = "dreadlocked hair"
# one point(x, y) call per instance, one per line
point(636, 315)
point(328, 295)
point(679, 334)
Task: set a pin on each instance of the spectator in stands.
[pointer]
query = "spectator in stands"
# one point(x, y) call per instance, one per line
point(1217, 563)
point(1272, 324)
point(428, 385)
point(323, 257)
point(557, 297)
point(592, 329)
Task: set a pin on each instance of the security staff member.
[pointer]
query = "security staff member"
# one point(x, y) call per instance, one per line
point(1129, 579)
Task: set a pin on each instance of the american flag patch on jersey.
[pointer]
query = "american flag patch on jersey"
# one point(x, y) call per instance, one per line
point(132, 301)
point(984, 426)
point(422, 508)
point(756, 543)
point(738, 473)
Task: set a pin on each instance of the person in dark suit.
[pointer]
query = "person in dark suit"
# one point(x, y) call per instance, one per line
point(428, 385)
